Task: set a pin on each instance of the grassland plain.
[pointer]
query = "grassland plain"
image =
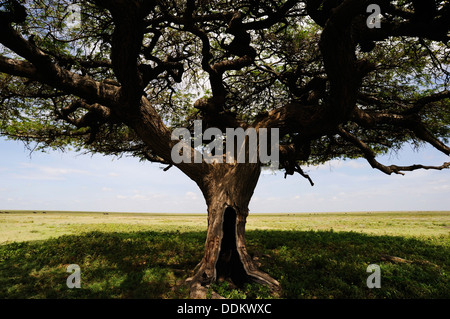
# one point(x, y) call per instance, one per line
point(130, 255)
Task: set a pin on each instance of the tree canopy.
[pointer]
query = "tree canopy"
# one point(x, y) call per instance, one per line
point(334, 86)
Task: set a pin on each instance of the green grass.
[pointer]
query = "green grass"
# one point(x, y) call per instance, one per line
point(151, 255)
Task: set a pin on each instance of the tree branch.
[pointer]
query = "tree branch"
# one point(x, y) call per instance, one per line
point(338, 50)
point(272, 18)
point(370, 157)
point(411, 122)
point(42, 69)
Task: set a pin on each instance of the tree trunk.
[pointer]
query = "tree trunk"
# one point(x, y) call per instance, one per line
point(228, 190)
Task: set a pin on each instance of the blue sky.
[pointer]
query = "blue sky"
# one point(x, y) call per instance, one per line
point(69, 181)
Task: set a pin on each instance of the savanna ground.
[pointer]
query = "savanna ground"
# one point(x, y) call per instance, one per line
point(123, 255)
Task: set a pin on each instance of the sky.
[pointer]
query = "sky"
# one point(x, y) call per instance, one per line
point(69, 181)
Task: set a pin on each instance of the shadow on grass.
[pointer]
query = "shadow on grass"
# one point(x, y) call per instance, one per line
point(322, 264)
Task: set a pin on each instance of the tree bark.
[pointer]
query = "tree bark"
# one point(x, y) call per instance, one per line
point(228, 190)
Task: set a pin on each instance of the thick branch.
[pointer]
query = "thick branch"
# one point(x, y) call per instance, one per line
point(126, 45)
point(422, 102)
point(435, 29)
point(150, 128)
point(68, 82)
point(42, 69)
point(411, 122)
point(311, 121)
point(338, 50)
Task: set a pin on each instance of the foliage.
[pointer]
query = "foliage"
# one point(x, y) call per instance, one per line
point(232, 63)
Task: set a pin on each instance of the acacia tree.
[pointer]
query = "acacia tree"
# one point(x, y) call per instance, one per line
point(335, 84)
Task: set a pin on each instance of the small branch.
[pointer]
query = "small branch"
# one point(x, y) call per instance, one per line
point(370, 157)
point(422, 102)
point(292, 153)
point(273, 18)
point(419, 166)
point(299, 170)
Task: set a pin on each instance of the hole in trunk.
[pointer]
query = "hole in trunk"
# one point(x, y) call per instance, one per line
point(229, 266)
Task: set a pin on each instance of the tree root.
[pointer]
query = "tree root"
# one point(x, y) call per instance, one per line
point(199, 285)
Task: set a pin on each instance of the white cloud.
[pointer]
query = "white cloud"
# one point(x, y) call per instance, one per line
point(191, 196)
point(30, 171)
point(441, 188)
point(141, 197)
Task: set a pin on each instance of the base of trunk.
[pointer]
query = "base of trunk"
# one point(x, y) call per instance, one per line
point(199, 286)
point(200, 282)
point(227, 259)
